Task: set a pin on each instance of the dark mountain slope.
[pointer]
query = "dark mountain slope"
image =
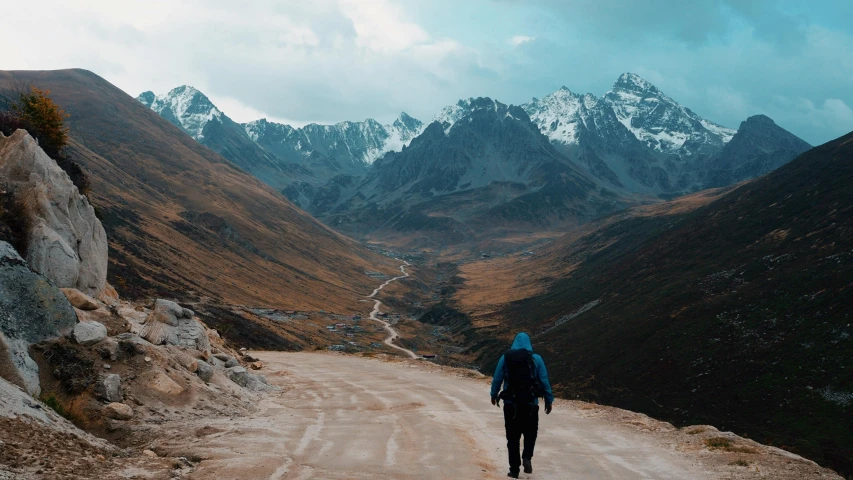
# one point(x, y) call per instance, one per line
point(184, 221)
point(737, 314)
point(759, 146)
point(488, 173)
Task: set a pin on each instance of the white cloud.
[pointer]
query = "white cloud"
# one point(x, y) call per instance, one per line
point(520, 39)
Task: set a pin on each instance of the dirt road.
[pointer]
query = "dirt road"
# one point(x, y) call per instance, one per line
point(345, 417)
point(392, 334)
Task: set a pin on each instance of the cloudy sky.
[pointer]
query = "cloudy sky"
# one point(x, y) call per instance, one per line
point(331, 60)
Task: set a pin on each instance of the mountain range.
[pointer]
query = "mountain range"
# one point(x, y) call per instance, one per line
point(632, 145)
point(183, 221)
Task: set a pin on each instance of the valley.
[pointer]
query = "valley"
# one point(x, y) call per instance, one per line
point(694, 275)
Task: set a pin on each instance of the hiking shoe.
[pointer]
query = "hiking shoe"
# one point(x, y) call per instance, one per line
point(512, 474)
point(528, 468)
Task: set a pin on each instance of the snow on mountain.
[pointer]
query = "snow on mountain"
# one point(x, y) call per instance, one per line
point(185, 107)
point(451, 114)
point(557, 115)
point(352, 141)
point(652, 117)
point(659, 121)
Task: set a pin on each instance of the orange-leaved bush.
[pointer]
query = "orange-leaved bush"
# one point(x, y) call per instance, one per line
point(45, 119)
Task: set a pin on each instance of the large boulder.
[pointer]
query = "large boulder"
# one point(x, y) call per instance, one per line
point(171, 324)
point(32, 310)
point(66, 242)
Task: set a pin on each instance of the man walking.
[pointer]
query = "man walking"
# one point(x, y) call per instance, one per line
point(524, 378)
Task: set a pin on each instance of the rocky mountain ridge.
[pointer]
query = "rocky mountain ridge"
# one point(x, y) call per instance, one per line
point(313, 153)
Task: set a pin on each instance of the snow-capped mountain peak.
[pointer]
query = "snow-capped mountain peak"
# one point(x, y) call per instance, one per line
point(557, 114)
point(659, 121)
point(453, 113)
point(184, 106)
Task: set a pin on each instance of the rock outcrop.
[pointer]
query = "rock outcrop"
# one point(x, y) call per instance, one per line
point(65, 240)
point(32, 310)
point(171, 324)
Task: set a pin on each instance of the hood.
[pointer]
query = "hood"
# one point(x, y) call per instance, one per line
point(522, 340)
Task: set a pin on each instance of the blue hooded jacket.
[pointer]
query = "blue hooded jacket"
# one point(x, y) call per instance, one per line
point(522, 340)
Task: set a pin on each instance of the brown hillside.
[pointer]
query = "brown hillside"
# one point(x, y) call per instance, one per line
point(184, 221)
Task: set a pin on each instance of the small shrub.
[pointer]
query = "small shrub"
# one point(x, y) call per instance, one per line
point(44, 116)
point(722, 443)
point(718, 443)
point(51, 401)
point(31, 108)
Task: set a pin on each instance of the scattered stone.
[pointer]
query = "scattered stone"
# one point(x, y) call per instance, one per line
point(117, 411)
point(108, 388)
point(243, 350)
point(256, 365)
point(168, 324)
point(204, 371)
point(108, 349)
point(165, 385)
point(149, 453)
point(232, 363)
point(188, 313)
point(79, 299)
point(89, 333)
point(107, 366)
point(147, 359)
point(238, 375)
point(223, 356)
point(249, 358)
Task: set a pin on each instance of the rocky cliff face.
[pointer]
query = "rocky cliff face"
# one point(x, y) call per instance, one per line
point(32, 309)
point(65, 240)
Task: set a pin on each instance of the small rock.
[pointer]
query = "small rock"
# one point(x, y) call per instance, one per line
point(89, 333)
point(79, 299)
point(147, 359)
point(117, 411)
point(108, 349)
point(243, 349)
point(107, 366)
point(239, 375)
point(232, 363)
point(149, 453)
point(204, 371)
point(188, 313)
point(256, 365)
point(109, 388)
point(192, 365)
point(249, 358)
point(165, 385)
point(222, 356)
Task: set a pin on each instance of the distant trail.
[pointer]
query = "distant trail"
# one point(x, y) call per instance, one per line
point(392, 334)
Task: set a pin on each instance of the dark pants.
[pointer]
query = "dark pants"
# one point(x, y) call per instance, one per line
point(520, 420)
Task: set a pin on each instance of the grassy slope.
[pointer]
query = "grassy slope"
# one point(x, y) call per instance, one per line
point(184, 221)
point(736, 314)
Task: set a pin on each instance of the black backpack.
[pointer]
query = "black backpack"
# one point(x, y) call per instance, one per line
point(522, 383)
